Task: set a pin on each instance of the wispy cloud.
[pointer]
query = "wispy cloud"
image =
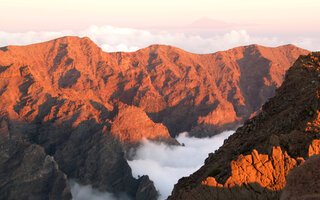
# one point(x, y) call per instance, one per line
point(86, 192)
point(165, 165)
point(112, 39)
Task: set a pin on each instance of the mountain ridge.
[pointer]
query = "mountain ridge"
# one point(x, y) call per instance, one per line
point(84, 107)
point(86, 38)
point(154, 73)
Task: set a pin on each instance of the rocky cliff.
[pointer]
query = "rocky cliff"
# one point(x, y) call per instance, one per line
point(303, 182)
point(81, 105)
point(253, 163)
point(72, 79)
point(27, 172)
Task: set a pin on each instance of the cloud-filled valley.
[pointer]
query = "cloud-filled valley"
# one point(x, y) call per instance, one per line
point(164, 164)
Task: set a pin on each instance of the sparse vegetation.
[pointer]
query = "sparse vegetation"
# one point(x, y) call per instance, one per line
point(214, 172)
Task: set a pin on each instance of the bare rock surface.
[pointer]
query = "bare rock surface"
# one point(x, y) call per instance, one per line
point(254, 162)
point(303, 182)
point(27, 172)
point(71, 78)
point(132, 124)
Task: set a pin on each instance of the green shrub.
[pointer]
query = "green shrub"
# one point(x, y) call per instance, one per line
point(214, 172)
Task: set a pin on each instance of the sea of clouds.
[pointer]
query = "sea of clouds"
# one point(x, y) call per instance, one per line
point(164, 164)
point(113, 39)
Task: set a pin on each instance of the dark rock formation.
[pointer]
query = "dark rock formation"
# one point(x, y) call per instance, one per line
point(303, 182)
point(26, 172)
point(253, 162)
point(146, 189)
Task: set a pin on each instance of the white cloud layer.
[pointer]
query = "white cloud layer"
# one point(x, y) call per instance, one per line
point(112, 39)
point(165, 165)
point(86, 192)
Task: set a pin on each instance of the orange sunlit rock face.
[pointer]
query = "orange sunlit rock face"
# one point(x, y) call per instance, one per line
point(132, 125)
point(211, 181)
point(314, 148)
point(72, 79)
point(267, 171)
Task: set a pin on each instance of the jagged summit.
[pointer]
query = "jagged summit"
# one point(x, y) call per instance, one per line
point(253, 162)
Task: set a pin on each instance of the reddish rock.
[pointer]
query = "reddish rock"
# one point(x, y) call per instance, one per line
point(314, 148)
point(269, 172)
point(132, 125)
point(70, 76)
point(211, 181)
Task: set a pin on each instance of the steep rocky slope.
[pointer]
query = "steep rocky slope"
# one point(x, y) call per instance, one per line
point(84, 153)
point(82, 105)
point(26, 172)
point(72, 79)
point(303, 182)
point(253, 163)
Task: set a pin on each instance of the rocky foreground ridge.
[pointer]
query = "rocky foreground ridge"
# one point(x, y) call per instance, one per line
point(75, 107)
point(253, 163)
point(303, 181)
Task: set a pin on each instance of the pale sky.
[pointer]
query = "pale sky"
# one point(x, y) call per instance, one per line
point(199, 26)
point(21, 15)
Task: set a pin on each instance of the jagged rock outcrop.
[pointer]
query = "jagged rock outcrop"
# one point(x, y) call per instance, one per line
point(254, 161)
point(76, 101)
point(146, 189)
point(303, 182)
point(132, 124)
point(26, 172)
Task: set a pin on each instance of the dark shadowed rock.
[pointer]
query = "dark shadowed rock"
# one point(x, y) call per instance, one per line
point(93, 157)
point(146, 189)
point(26, 172)
point(303, 182)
